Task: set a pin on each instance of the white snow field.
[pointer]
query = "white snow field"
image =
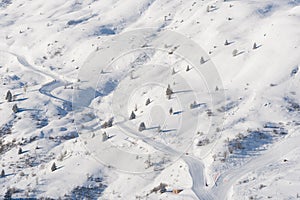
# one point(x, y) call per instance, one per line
point(78, 69)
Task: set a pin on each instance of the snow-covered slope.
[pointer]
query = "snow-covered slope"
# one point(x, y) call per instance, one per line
point(73, 65)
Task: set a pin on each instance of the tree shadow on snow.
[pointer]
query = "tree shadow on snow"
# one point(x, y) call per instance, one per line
point(151, 128)
point(22, 99)
point(182, 91)
point(239, 53)
point(23, 152)
point(177, 112)
point(168, 130)
point(27, 109)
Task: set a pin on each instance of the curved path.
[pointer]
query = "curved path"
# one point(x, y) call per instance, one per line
point(47, 88)
point(196, 167)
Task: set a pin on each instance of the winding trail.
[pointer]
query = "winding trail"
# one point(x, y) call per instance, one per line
point(196, 169)
point(196, 166)
point(47, 88)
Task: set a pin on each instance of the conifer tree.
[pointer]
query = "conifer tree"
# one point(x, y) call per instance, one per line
point(171, 111)
point(173, 71)
point(148, 102)
point(9, 96)
point(235, 52)
point(202, 61)
point(254, 45)
point(187, 68)
point(132, 116)
point(142, 127)
point(104, 137)
point(20, 151)
point(15, 108)
point(53, 167)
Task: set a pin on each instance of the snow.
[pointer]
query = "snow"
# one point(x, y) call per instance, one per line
point(74, 65)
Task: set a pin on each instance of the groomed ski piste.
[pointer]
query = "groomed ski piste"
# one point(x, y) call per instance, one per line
point(78, 69)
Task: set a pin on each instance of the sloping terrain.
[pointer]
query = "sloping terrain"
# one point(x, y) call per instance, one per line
point(77, 70)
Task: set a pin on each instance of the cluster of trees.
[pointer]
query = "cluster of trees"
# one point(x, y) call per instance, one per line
point(10, 98)
point(108, 123)
point(235, 52)
point(142, 125)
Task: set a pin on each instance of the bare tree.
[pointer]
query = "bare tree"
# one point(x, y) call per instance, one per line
point(135, 108)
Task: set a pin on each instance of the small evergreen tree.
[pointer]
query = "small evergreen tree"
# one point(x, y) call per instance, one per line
point(226, 43)
point(148, 102)
point(132, 116)
point(173, 71)
point(254, 45)
point(104, 125)
point(9, 96)
point(15, 108)
point(187, 68)
point(235, 52)
point(2, 173)
point(142, 127)
point(169, 91)
point(171, 111)
point(53, 167)
point(104, 137)
point(20, 151)
point(202, 61)
point(208, 8)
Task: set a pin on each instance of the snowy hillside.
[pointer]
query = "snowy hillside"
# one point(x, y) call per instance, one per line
point(150, 99)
